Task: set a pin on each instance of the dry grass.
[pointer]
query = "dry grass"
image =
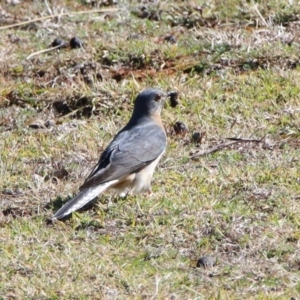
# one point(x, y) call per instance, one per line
point(236, 68)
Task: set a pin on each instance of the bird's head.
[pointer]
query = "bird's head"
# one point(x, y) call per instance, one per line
point(150, 102)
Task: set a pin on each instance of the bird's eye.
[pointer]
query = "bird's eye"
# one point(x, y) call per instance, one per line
point(157, 97)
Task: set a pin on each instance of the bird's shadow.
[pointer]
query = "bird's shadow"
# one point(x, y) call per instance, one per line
point(58, 202)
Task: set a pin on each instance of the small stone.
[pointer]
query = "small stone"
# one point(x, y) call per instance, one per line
point(173, 99)
point(206, 262)
point(13, 2)
point(197, 137)
point(40, 73)
point(19, 191)
point(180, 128)
point(37, 180)
point(170, 39)
point(75, 43)
point(8, 192)
point(134, 36)
point(58, 42)
point(13, 38)
point(36, 124)
point(50, 123)
point(61, 173)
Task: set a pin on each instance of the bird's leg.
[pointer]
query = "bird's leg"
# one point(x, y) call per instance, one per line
point(148, 192)
point(109, 202)
point(139, 209)
point(127, 193)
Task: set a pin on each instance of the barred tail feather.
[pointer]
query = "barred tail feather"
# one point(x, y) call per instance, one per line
point(82, 198)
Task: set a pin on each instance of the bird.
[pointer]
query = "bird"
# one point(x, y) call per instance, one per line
point(128, 162)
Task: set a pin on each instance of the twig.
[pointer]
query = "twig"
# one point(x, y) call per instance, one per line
point(261, 17)
point(43, 51)
point(225, 145)
point(48, 8)
point(59, 15)
point(214, 149)
point(245, 140)
point(73, 112)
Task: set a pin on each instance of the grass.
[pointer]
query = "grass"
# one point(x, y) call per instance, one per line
point(237, 72)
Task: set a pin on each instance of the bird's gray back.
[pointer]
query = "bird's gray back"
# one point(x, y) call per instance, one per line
point(129, 151)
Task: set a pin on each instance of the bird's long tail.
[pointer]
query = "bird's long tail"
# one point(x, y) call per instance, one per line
point(82, 198)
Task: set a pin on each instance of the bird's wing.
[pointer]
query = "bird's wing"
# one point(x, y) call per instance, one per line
point(130, 151)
